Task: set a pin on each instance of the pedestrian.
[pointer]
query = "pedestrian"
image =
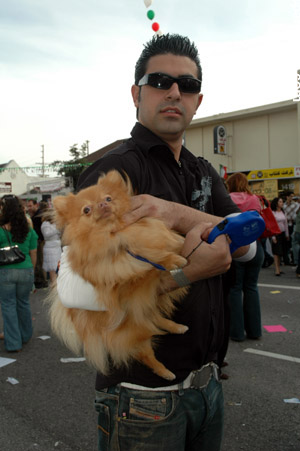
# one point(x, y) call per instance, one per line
point(138, 409)
point(297, 243)
point(17, 279)
point(35, 211)
point(245, 314)
point(52, 245)
point(290, 208)
point(279, 241)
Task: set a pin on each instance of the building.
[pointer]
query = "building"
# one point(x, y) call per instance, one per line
point(14, 180)
point(263, 142)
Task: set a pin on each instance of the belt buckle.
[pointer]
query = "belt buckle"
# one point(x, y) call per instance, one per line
point(200, 378)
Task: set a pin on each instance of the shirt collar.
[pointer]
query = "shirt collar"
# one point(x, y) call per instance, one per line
point(148, 141)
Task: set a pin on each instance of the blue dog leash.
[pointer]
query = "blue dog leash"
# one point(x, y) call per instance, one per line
point(242, 230)
point(143, 259)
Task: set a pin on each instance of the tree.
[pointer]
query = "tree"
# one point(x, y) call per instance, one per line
point(74, 167)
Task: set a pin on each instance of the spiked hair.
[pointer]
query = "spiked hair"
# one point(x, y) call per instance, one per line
point(167, 43)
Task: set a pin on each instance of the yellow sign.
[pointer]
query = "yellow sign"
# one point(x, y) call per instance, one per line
point(271, 173)
point(271, 188)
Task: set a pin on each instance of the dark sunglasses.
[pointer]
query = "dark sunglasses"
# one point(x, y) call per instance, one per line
point(158, 80)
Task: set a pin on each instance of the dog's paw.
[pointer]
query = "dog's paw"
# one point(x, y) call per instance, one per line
point(182, 329)
point(169, 375)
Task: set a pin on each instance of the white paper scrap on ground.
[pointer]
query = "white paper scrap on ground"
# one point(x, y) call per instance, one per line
point(72, 359)
point(12, 380)
point(5, 361)
point(44, 337)
point(292, 401)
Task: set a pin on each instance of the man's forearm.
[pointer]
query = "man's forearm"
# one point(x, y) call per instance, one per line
point(178, 217)
point(184, 218)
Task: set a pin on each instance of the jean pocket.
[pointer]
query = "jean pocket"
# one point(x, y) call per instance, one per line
point(151, 409)
point(103, 426)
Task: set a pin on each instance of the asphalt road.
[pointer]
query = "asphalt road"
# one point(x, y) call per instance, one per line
point(51, 406)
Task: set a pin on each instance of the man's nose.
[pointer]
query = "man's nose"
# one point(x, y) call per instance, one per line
point(173, 91)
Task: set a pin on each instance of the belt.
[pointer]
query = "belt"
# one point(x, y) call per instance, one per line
point(197, 379)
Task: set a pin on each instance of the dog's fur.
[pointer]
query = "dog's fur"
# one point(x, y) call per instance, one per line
point(99, 241)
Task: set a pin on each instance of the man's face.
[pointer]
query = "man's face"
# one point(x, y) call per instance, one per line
point(31, 207)
point(167, 113)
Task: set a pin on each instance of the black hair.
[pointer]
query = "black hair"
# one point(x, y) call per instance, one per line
point(161, 45)
point(274, 203)
point(34, 201)
point(13, 213)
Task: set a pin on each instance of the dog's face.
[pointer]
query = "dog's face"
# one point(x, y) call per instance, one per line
point(98, 207)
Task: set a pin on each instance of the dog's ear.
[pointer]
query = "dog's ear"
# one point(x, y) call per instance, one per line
point(116, 180)
point(64, 209)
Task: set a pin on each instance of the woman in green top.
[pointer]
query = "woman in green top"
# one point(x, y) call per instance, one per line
point(16, 280)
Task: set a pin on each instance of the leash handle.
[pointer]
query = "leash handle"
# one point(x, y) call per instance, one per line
point(242, 229)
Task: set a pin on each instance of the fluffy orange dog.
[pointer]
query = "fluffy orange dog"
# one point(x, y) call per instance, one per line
point(101, 250)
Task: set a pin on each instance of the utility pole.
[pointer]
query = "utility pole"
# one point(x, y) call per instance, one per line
point(87, 147)
point(43, 161)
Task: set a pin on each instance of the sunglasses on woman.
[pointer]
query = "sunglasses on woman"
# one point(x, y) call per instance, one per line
point(159, 80)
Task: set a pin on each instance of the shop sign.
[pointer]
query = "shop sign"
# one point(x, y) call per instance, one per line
point(271, 173)
point(220, 139)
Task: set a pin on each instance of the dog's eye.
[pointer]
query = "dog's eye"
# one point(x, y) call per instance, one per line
point(87, 210)
point(108, 199)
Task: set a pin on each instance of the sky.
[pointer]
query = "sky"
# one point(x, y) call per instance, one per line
point(67, 66)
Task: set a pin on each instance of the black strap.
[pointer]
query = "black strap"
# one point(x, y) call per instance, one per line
point(7, 236)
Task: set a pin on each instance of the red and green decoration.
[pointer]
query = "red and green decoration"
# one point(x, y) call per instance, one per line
point(151, 15)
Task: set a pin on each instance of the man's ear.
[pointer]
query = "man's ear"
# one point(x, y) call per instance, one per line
point(135, 92)
point(199, 102)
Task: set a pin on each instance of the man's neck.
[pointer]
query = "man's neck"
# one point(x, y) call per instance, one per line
point(175, 149)
point(174, 144)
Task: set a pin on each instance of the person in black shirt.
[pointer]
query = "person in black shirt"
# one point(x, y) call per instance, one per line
point(35, 211)
point(138, 409)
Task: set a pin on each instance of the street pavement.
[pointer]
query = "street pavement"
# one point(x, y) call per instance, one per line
point(51, 406)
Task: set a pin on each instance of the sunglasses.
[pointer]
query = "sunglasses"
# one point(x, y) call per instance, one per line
point(159, 80)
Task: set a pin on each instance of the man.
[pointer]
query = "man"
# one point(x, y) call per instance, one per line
point(138, 409)
point(290, 208)
point(35, 213)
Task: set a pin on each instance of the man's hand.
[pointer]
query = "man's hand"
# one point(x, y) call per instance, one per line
point(207, 260)
point(176, 216)
point(145, 205)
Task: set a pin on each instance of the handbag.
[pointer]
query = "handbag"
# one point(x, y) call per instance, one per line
point(11, 254)
point(272, 227)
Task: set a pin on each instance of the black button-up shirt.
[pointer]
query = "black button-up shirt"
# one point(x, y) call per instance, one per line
point(192, 181)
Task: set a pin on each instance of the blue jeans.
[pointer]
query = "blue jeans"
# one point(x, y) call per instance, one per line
point(138, 420)
point(244, 298)
point(16, 285)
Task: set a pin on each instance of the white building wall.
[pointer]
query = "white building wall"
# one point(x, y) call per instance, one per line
point(264, 137)
point(16, 177)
